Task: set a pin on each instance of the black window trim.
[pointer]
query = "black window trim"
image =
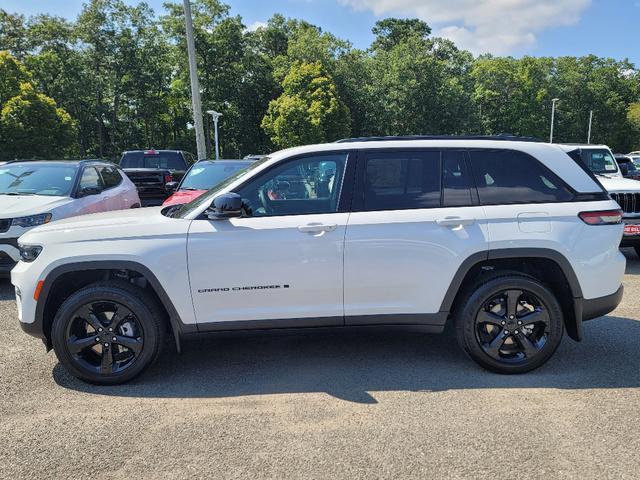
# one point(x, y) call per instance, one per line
point(576, 196)
point(357, 203)
point(345, 193)
point(358, 194)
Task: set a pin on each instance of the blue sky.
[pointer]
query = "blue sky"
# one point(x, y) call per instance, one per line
point(534, 27)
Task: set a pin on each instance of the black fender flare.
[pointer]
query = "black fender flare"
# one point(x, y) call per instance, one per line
point(177, 326)
point(574, 331)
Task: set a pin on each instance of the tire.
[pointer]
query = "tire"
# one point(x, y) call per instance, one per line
point(133, 345)
point(488, 328)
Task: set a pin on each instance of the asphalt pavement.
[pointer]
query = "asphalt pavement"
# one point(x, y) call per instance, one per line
point(339, 404)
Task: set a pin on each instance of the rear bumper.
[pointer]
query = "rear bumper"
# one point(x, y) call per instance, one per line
point(598, 307)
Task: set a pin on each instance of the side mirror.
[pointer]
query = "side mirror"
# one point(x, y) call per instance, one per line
point(170, 187)
point(227, 205)
point(86, 191)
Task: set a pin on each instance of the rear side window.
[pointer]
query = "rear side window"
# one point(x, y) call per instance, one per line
point(456, 180)
point(110, 176)
point(402, 180)
point(508, 177)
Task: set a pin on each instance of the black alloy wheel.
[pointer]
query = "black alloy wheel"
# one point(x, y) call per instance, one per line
point(105, 337)
point(513, 326)
point(509, 322)
point(108, 332)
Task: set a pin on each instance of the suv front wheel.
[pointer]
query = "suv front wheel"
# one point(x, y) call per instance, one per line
point(509, 323)
point(107, 333)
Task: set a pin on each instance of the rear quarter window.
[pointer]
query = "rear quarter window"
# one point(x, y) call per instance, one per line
point(511, 177)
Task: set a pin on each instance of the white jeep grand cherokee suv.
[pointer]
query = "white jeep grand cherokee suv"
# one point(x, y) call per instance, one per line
point(509, 241)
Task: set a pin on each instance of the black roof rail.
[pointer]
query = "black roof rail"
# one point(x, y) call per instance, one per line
point(503, 137)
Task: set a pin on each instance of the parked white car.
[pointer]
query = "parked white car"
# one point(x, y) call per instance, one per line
point(33, 193)
point(511, 242)
point(601, 162)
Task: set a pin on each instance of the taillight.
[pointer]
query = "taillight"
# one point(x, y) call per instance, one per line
point(168, 178)
point(603, 217)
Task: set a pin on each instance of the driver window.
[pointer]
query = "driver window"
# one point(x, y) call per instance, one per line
point(299, 187)
point(90, 178)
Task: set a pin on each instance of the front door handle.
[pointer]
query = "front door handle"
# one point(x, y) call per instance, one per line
point(455, 221)
point(316, 228)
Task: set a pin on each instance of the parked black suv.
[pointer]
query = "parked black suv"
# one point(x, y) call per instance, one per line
point(151, 170)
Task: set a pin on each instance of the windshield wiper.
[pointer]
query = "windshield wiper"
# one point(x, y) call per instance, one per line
point(16, 193)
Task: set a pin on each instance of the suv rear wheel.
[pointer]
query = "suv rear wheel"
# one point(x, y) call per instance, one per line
point(107, 333)
point(509, 323)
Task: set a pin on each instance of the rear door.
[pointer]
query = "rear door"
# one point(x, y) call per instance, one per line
point(117, 194)
point(415, 219)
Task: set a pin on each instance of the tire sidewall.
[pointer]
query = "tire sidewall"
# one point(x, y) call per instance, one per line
point(95, 294)
point(466, 324)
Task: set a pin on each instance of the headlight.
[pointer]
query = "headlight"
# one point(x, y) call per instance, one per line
point(28, 253)
point(31, 220)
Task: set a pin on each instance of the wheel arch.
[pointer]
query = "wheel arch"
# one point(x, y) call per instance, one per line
point(547, 265)
point(96, 270)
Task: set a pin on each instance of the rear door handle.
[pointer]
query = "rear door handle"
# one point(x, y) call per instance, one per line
point(316, 228)
point(455, 221)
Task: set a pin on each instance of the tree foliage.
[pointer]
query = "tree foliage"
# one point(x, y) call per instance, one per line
point(308, 111)
point(120, 72)
point(31, 124)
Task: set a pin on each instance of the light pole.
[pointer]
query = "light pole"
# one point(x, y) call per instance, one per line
point(590, 122)
point(216, 116)
point(195, 86)
point(553, 116)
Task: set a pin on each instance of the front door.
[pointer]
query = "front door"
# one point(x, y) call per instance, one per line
point(282, 264)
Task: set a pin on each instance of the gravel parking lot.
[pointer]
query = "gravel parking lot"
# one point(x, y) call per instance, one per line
point(374, 404)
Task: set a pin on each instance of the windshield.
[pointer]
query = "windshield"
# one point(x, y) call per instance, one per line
point(187, 208)
point(203, 176)
point(37, 179)
point(165, 160)
point(599, 161)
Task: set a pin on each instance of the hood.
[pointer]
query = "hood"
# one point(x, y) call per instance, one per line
point(12, 206)
point(107, 226)
point(183, 196)
point(618, 184)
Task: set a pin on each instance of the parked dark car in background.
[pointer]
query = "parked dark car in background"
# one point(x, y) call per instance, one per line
point(152, 170)
point(203, 176)
point(627, 166)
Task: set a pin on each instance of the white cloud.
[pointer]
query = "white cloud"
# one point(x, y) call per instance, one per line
point(494, 26)
point(256, 25)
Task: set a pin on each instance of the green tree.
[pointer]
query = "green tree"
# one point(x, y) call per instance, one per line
point(513, 95)
point(32, 126)
point(394, 31)
point(309, 109)
point(12, 74)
